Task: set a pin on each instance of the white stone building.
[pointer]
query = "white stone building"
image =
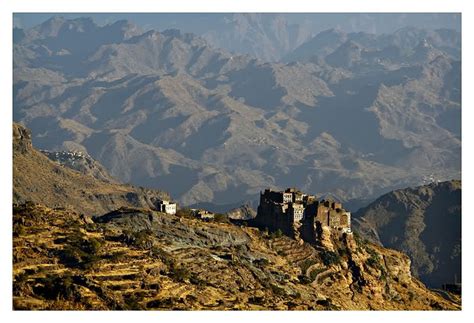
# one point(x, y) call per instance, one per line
point(167, 207)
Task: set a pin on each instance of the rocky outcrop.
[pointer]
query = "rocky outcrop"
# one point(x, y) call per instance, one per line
point(21, 138)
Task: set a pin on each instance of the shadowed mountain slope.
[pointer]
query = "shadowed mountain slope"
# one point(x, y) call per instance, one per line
point(423, 222)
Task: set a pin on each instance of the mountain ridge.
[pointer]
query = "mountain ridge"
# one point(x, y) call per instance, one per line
point(232, 124)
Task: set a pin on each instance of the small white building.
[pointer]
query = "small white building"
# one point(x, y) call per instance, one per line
point(167, 207)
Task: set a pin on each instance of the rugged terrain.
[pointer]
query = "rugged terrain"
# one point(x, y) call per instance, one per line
point(356, 116)
point(137, 258)
point(423, 222)
point(140, 259)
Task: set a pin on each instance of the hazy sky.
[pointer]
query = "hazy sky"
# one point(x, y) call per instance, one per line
point(198, 22)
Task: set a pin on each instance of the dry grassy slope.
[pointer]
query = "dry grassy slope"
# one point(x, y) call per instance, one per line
point(38, 179)
point(138, 259)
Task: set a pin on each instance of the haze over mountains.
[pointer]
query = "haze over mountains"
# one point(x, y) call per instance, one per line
point(266, 36)
point(354, 114)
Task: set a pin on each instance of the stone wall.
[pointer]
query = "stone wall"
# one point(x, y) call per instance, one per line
point(273, 216)
point(307, 220)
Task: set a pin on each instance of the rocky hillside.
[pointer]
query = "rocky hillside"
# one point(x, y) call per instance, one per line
point(140, 259)
point(423, 222)
point(80, 162)
point(38, 179)
point(167, 109)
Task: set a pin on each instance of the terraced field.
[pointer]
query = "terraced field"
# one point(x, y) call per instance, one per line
point(140, 259)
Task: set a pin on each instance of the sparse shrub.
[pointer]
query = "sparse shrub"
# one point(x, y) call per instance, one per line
point(179, 273)
point(276, 234)
point(18, 230)
point(342, 252)
point(132, 302)
point(117, 256)
point(324, 302)
point(304, 279)
point(262, 262)
point(20, 285)
point(55, 287)
point(257, 300)
point(142, 239)
point(162, 303)
point(80, 251)
point(195, 280)
point(91, 227)
point(184, 213)
point(277, 290)
point(221, 218)
point(374, 259)
point(93, 245)
point(314, 273)
point(306, 264)
point(358, 239)
point(373, 262)
point(164, 256)
point(329, 257)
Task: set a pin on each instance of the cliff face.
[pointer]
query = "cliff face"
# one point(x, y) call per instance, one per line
point(423, 222)
point(40, 180)
point(140, 259)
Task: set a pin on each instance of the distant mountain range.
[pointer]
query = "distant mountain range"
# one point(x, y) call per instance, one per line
point(268, 36)
point(423, 222)
point(351, 114)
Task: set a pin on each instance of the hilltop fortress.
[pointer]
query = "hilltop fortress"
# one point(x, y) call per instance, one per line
point(301, 216)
